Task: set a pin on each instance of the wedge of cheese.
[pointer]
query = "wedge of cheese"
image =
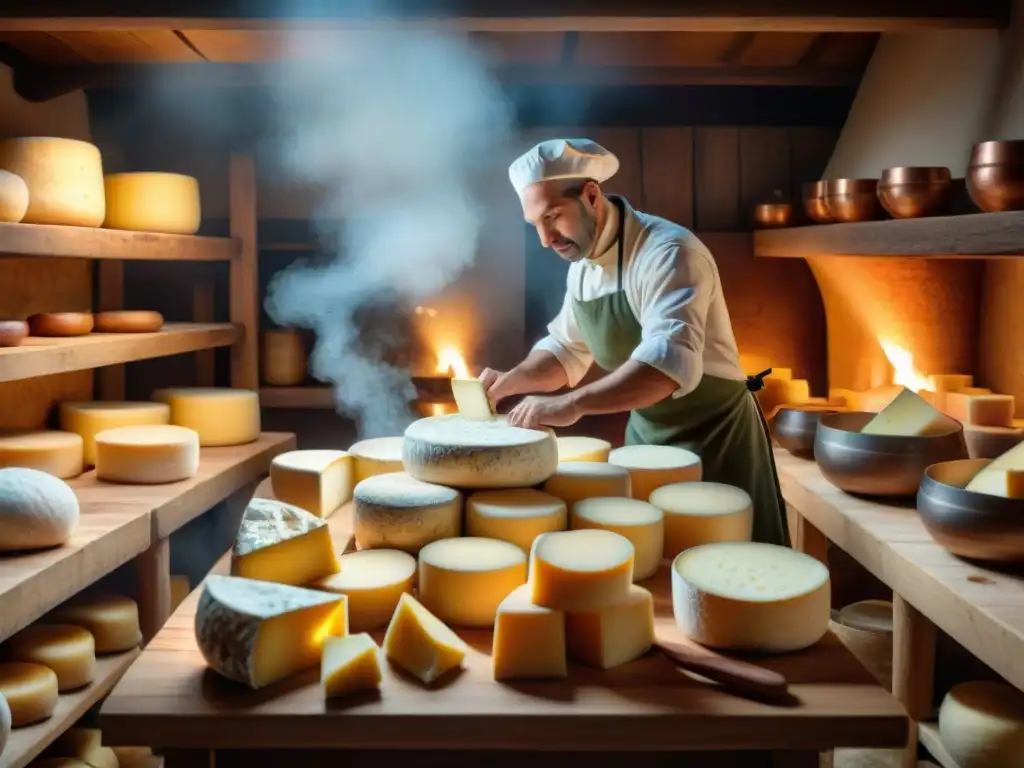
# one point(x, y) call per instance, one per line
point(316, 481)
point(1003, 476)
point(350, 664)
point(422, 644)
point(908, 415)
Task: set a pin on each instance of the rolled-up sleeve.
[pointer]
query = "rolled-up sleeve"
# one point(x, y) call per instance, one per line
point(565, 342)
point(674, 287)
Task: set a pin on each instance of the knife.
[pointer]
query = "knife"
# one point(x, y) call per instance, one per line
point(738, 675)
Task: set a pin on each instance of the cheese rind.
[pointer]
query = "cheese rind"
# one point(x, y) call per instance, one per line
point(515, 515)
point(37, 510)
point(376, 456)
point(60, 454)
point(88, 419)
point(152, 202)
point(349, 664)
point(702, 513)
point(220, 415)
point(422, 644)
point(373, 580)
point(147, 454)
point(529, 640)
point(639, 521)
point(652, 466)
point(112, 620)
point(64, 179)
point(68, 650)
point(581, 570)
point(574, 481)
point(317, 481)
point(581, 448)
point(908, 415)
point(981, 724)
point(396, 511)
point(615, 635)
point(30, 691)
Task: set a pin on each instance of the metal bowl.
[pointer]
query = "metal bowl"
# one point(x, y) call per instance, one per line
point(879, 465)
point(996, 187)
point(769, 215)
point(1009, 152)
point(989, 442)
point(978, 526)
point(851, 200)
point(814, 202)
point(912, 192)
point(794, 428)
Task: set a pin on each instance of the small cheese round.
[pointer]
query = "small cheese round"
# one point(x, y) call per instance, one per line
point(642, 523)
point(64, 179)
point(579, 448)
point(68, 650)
point(90, 418)
point(742, 595)
point(61, 323)
point(152, 202)
point(61, 454)
point(581, 571)
point(12, 332)
point(868, 616)
point(222, 416)
point(981, 725)
point(112, 620)
point(147, 454)
point(30, 690)
point(129, 321)
point(13, 198)
point(463, 581)
point(574, 481)
point(5, 723)
point(652, 466)
point(376, 456)
point(373, 581)
point(37, 510)
point(284, 358)
point(395, 511)
point(515, 515)
point(701, 513)
point(455, 451)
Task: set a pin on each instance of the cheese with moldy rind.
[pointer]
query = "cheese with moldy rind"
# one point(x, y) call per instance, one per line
point(743, 595)
point(652, 466)
point(373, 580)
point(88, 419)
point(422, 644)
point(112, 620)
point(64, 179)
point(60, 454)
point(462, 581)
point(396, 511)
point(615, 635)
point(222, 416)
point(152, 202)
point(454, 451)
point(582, 448)
point(581, 570)
point(37, 510)
point(30, 691)
point(529, 640)
point(282, 543)
point(640, 522)
point(376, 456)
point(257, 632)
point(702, 513)
point(5, 723)
point(349, 664)
point(515, 515)
point(317, 481)
point(147, 454)
point(981, 725)
point(68, 650)
point(574, 481)
point(909, 415)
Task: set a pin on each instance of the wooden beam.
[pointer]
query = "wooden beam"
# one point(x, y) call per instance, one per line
point(733, 55)
point(818, 48)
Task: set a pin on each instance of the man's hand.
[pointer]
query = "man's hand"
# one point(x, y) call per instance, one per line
point(533, 412)
point(501, 384)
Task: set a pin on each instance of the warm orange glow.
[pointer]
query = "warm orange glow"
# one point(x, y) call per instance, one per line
point(904, 372)
point(450, 361)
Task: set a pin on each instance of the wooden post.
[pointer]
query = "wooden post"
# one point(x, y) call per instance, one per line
point(111, 296)
point(153, 570)
point(913, 668)
point(807, 538)
point(244, 276)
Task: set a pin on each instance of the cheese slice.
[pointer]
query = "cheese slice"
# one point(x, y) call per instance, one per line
point(112, 620)
point(30, 690)
point(88, 419)
point(376, 456)
point(471, 399)
point(701, 513)
point(422, 644)
point(581, 448)
point(1008, 483)
point(282, 543)
point(529, 641)
point(37, 510)
point(68, 650)
point(221, 416)
point(615, 635)
point(640, 522)
point(574, 481)
point(981, 725)
point(908, 415)
point(349, 664)
point(316, 481)
point(147, 454)
point(373, 580)
point(515, 515)
point(581, 570)
point(60, 454)
point(652, 466)
point(396, 511)
point(257, 632)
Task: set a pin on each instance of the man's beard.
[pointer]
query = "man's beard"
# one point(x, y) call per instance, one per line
point(580, 249)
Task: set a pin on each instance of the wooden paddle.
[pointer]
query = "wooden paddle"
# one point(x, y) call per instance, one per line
point(730, 673)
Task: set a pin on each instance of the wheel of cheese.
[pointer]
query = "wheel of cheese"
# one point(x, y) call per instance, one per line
point(463, 581)
point(128, 321)
point(37, 510)
point(146, 455)
point(68, 650)
point(60, 324)
point(579, 448)
point(395, 511)
point(515, 515)
point(152, 202)
point(30, 690)
point(64, 179)
point(454, 451)
point(376, 456)
point(742, 595)
point(640, 522)
point(981, 725)
point(221, 416)
point(284, 358)
point(112, 620)
point(868, 616)
point(652, 466)
point(88, 419)
point(13, 198)
point(581, 571)
point(701, 513)
point(61, 454)
point(12, 332)
point(574, 481)
point(373, 581)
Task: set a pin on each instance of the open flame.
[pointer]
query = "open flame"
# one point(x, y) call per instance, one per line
point(450, 361)
point(904, 372)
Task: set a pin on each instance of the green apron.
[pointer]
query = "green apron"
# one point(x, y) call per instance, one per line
point(719, 420)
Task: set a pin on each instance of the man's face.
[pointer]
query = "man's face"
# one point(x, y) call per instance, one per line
point(566, 220)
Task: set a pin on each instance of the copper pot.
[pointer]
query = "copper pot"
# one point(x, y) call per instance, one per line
point(769, 215)
point(851, 200)
point(910, 192)
point(814, 202)
point(995, 177)
point(998, 153)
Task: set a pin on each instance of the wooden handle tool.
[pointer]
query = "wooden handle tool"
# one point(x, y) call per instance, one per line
point(731, 673)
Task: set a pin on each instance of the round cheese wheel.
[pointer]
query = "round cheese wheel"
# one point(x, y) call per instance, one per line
point(640, 522)
point(88, 419)
point(395, 511)
point(12, 332)
point(868, 616)
point(515, 515)
point(60, 324)
point(463, 581)
point(13, 198)
point(222, 416)
point(129, 321)
point(376, 456)
point(743, 595)
point(37, 510)
point(701, 513)
point(284, 358)
point(147, 454)
point(30, 690)
point(451, 450)
point(64, 179)
point(112, 620)
point(574, 481)
point(373, 581)
point(152, 202)
point(579, 448)
point(61, 454)
point(981, 724)
point(5, 723)
point(652, 466)
point(68, 650)
point(581, 571)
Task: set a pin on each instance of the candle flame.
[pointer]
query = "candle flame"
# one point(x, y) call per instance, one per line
point(904, 372)
point(450, 361)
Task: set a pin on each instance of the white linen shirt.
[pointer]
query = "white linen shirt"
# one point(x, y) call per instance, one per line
point(672, 285)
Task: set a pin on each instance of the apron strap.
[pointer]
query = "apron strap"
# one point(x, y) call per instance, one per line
point(755, 383)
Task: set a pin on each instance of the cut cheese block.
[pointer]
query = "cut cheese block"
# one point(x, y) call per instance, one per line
point(373, 580)
point(750, 596)
point(981, 725)
point(471, 399)
point(61, 454)
point(220, 416)
point(37, 510)
point(652, 466)
point(581, 570)
point(980, 410)
point(112, 620)
point(395, 511)
point(640, 522)
point(615, 635)
point(5, 723)
point(868, 616)
point(515, 515)
point(702, 513)
point(376, 456)
point(462, 581)
point(529, 641)
point(908, 415)
point(579, 448)
point(989, 442)
point(349, 664)
point(128, 321)
point(61, 324)
point(454, 451)
point(152, 202)
point(258, 632)
point(13, 198)
point(284, 358)
point(68, 650)
point(147, 455)
point(422, 644)
point(574, 481)
point(950, 382)
point(30, 690)
point(64, 179)
point(88, 419)
point(317, 481)
point(1008, 483)
point(280, 542)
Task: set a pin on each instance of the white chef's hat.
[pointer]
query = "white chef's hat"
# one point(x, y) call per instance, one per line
point(562, 159)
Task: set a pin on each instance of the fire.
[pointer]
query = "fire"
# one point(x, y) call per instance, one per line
point(449, 360)
point(904, 372)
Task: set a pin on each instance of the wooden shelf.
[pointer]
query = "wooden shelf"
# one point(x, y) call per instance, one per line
point(928, 735)
point(25, 744)
point(50, 241)
point(297, 397)
point(38, 356)
point(971, 236)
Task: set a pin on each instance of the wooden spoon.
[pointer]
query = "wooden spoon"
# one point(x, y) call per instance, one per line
point(731, 673)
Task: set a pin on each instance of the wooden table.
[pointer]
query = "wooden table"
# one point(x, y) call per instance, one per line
point(169, 700)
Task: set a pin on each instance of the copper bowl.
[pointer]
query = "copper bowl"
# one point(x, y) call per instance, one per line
point(998, 153)
point(851, 200)
point(814, 202)
point(908, 192)
point(768, 215)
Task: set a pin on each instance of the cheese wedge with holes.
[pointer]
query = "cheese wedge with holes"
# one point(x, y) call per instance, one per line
point(529, 640)
point(373, 580)
point(350, 664)
point(471, 399)
point(981, 724)
point(30, 690)
point(581, 570)
point(88, 419)
point(422, 644)
point(574, 481)
point(396, 511)
point(316, 481)
point(376, 456)
point(581, 448)
point(221, 416)
point(69, 650)
point(908, 415)
point(615, 635)
point(639, 521)
point(112, 620)
point(652, 466)
point(147, 454)
point(60, 454)
point(257, 632)
point(702, 513)
point(515, 515)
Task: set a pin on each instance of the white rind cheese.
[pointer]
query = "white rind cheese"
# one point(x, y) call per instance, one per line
point(701, 513)
point(642, 523)
point(515, 515)
point(580, 448)
point(396, 511)
point(454, 451)
point(37, 510)
point(376, 456)
point(981, 725)
point(652, 466)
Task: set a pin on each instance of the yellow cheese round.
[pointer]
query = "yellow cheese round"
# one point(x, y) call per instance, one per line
point(5, 723)
point(37, 510)
point(64, 178)
point(981, 725)
point(147, 455)
point(574, 481)
point(152, 202)
point(642, 523)
point(579, 448)
point(652, 466)
point(741, 595)
point(318, 481)
point(13, 198)
point(701, 513)
point(30, 690)
point(68, 650)
point(376, 456)
point(463, 581)
point(515, 515)
point(112, 620)
point(581, 570)
point(221, 416)
point(60, 454)
point(373, 580)
point(90, 418)
point(395, 511)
